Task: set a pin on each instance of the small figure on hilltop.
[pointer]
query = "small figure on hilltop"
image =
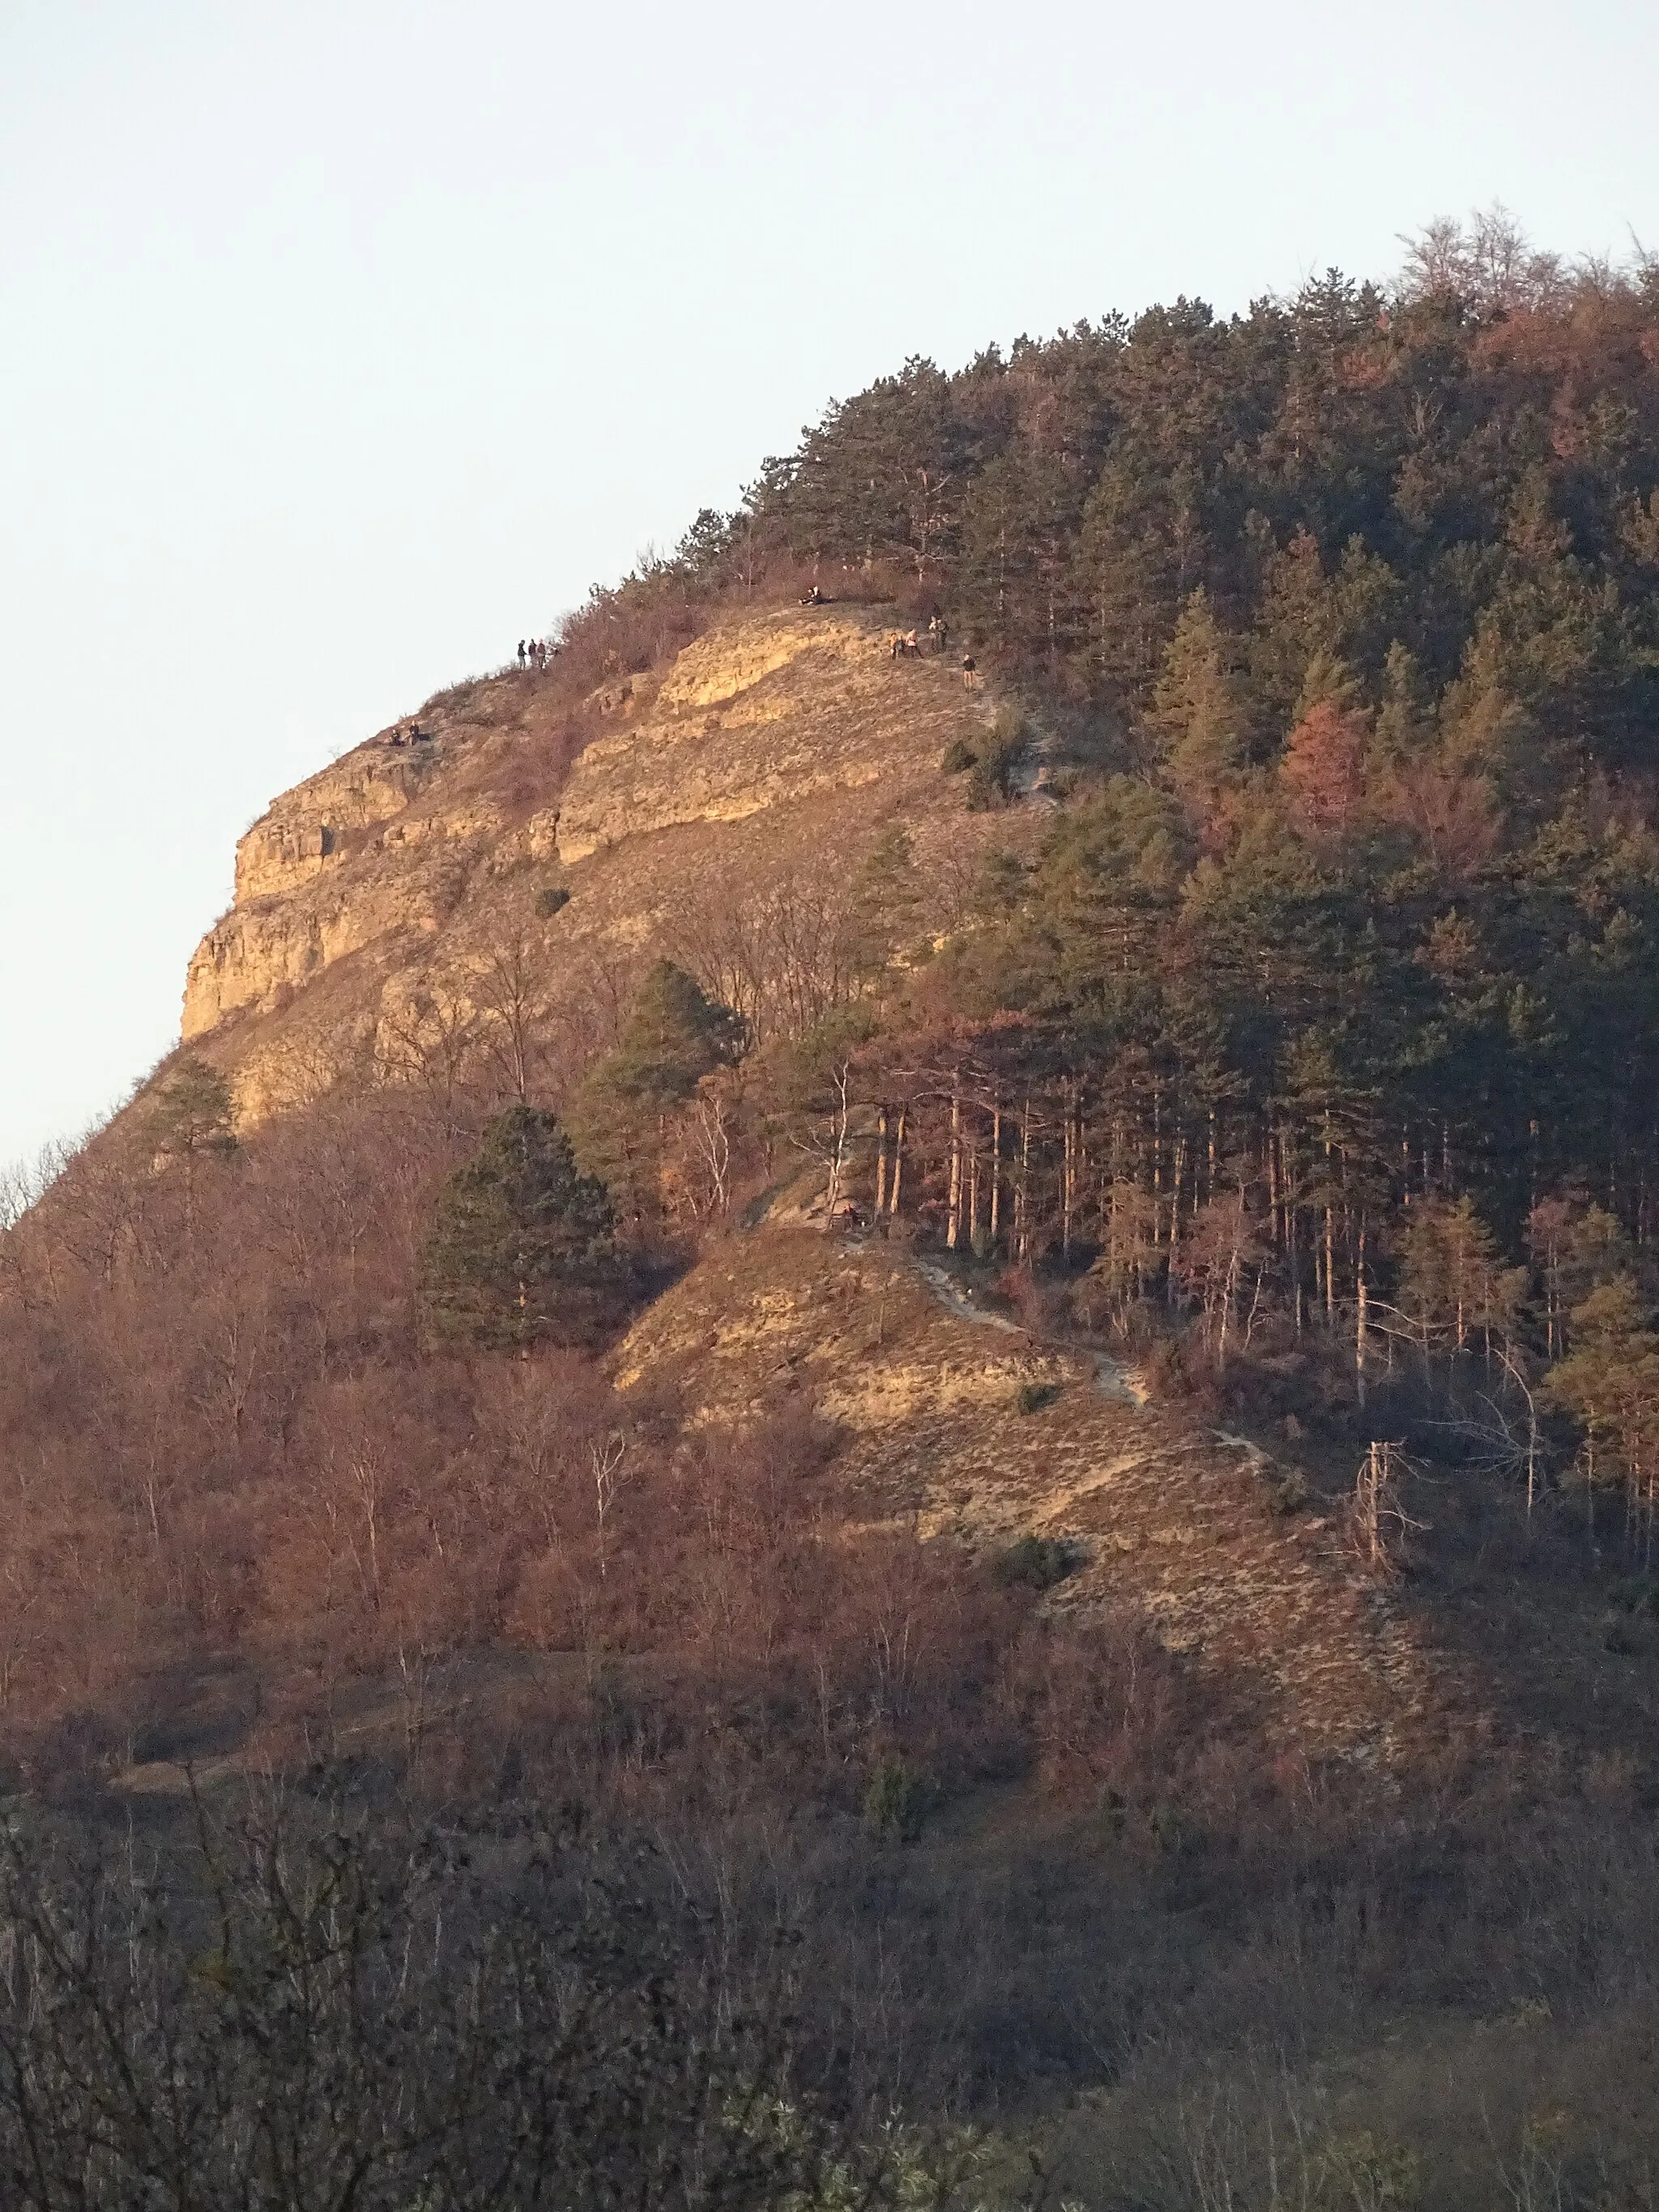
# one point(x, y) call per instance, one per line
point(969, 672)
point(523, 651)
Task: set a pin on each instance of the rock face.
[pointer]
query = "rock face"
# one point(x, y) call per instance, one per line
point(310, 826)
point(373, 900)
point(773, 714)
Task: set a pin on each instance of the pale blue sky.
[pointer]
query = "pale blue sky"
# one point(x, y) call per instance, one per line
point(341, 344)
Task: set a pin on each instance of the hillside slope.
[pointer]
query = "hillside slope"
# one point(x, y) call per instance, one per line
point(1167, 1518)
point(377, 906)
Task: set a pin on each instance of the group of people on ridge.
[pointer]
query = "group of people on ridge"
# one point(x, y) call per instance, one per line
point(536, 651)
point(906, 641)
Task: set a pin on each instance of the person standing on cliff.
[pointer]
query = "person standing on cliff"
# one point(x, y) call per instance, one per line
point(521, 656)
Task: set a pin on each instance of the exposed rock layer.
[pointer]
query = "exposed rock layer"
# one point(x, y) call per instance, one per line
point(774, 752)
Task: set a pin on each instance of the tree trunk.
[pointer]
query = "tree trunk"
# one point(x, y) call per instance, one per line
point(1362, 1318)
point(996, 1172)
point(1022, 1193)
point(1067, 1174)
point(953, 1225)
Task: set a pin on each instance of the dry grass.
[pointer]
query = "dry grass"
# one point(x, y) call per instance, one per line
point(1270, 1611)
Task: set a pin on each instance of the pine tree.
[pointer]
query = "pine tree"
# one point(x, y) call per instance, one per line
point(1323, 769)
point(520, 1249)
point(1454, 1282)
point(885, 902)
point(192, 1119)
point(193, 1112)
point(674, 1036)
point(1198, 720)
point(1610, 1382)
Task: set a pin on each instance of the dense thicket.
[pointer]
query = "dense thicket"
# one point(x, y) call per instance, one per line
point(320, 2015)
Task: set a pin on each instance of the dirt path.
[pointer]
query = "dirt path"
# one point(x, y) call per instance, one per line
point(1112, 1378)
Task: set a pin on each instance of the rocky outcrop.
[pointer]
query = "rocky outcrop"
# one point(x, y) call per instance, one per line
point(776, 748)
point(773, 712)
point(314, 823)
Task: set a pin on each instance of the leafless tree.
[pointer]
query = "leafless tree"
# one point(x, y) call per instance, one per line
point(513, 1008)
point(325, 2019)
point(605, 1456)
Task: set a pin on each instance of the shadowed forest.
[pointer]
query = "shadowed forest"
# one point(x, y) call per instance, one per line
point(444, 1769)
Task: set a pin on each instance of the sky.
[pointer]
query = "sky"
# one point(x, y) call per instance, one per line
point(341, 345)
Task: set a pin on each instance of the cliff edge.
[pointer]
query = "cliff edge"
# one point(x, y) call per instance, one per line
point(373, 900)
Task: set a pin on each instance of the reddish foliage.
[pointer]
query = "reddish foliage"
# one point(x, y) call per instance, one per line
point(1324, 767)
point(227, 1457)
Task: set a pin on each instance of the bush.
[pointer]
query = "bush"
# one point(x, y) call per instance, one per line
point(1287, 1489)
point(374, 2026)
point(1036, 1563)
point(552, 899)
point(896, 1802)
point(1032, 1397)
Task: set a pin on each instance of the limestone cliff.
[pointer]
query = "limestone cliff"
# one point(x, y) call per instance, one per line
point(373, 899)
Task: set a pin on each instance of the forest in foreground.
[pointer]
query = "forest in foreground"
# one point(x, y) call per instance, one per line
point(438, 1776)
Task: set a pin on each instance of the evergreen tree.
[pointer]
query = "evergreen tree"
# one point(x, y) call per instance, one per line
point(1610, 1383)
point(193, 1113)
point(520, 1249)
point(1323, 769)
point(193, 1119)
point(675, 1036)
point(1198, 720)
point(1453, 1281)
point(887, 900)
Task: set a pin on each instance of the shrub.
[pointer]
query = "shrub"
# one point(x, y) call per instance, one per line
point(896, 1802)
point(1287, 1489)
point(552, 899)
point(1032, 1397)
point(1036, 1563)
